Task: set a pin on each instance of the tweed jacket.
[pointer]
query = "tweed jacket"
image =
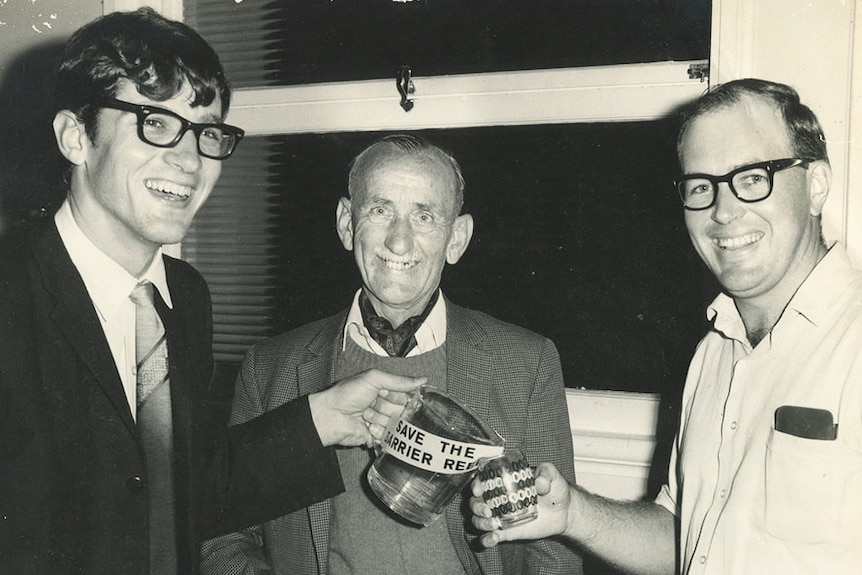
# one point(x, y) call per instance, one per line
point(72, 494)
point(508, 375)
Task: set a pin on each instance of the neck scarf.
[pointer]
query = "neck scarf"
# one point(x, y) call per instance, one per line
point(396, 341)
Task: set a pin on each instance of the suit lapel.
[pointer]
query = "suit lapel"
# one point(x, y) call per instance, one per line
point(314, 375)
point(469, 367)
point(318, 372)
point(469, 373)
point(75, 317)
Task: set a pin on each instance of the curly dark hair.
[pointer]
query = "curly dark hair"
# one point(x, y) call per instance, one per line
point(154, 53)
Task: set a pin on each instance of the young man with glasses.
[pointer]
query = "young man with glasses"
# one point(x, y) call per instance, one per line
point(112, 457)
point(766, 471)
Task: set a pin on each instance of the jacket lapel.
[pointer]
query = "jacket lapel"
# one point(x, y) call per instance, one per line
point(75, 317)
point(318, 372)
point(469, 373)
point(314, 375)
point(469, 367)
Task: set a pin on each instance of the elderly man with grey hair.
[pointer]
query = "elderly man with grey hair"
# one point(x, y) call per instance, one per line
point(403, 222)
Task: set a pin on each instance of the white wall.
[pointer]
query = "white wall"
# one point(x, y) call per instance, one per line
point(816, 47)
point(27, 24)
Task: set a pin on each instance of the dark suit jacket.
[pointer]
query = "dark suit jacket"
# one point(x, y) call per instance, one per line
point(508, 375)
point(71, 495)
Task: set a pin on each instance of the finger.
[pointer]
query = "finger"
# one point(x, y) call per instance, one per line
point(387, 408)
point(376, 432)
point(477, 488)
point(375, 417)
point(485, 523)
point(489, 539)
point(479, 508)
point(399, 398)
point(392, 382)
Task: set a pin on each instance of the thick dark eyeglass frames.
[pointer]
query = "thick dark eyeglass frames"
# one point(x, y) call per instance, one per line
point(164, 129)
point(751, 183)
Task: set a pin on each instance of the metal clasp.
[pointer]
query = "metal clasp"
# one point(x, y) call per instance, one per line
point(404, 83)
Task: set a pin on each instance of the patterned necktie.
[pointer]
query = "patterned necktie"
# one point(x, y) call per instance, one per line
point(155, 426)
point(151, 352)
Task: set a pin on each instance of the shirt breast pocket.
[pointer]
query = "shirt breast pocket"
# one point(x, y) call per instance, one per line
point(813, 489)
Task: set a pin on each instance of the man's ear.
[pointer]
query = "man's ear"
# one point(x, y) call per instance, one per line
point(71, 136)
point(344, 223)
point(462, 231)
point(819, 182)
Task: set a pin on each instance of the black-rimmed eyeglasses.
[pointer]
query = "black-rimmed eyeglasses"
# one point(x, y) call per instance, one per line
point(751, 183)
point(165, 129)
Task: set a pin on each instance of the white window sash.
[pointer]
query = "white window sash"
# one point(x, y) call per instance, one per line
point(619, 93)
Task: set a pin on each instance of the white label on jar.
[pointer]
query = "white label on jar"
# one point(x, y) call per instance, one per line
point(424, 450)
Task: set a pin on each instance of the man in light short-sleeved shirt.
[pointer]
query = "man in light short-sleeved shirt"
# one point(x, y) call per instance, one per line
point(766, 471)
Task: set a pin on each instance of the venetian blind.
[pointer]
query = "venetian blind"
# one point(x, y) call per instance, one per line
point(241, 34)
point(230, 243)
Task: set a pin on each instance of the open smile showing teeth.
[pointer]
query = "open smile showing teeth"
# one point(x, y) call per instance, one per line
point(738, 241)
point(399, 265)
point(172, 189)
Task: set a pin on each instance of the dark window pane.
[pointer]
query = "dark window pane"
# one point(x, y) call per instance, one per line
point(579, 236)
point(307, 41)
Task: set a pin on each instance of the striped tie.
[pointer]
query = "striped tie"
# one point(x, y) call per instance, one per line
point(155, 426)
point(151, 351)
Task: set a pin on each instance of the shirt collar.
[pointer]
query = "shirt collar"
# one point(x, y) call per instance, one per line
point(430, 335)
point(107, 282)
point(813, 299)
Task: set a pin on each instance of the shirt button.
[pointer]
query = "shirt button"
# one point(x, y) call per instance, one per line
point(701, 559)
point(135, 484)
point(722, 493)
point(733, 425)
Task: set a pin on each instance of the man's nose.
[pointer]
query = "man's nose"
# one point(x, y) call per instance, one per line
point(185, 154)
point(727, 206)
point(399, 236)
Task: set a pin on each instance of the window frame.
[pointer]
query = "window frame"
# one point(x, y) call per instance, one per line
point(620, 93)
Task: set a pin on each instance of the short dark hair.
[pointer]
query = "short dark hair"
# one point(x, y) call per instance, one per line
point(154, 53)
point(803, 127)
point(410, 145)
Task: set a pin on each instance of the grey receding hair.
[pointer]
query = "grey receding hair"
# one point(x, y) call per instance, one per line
point(408, 145)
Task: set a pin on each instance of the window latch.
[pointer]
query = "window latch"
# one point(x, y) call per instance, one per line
point(404, 83)
point(698, 71)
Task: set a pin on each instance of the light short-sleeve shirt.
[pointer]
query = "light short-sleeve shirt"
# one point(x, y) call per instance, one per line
point(752, 499)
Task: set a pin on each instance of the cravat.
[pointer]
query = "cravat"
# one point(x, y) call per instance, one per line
point(155, 426)
point(396, 341)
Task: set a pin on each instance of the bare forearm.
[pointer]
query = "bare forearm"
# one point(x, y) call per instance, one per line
point(634, 536)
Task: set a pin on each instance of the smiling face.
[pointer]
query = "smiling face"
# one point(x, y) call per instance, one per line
point(130, 197)
point(758, 251)
point(402, 227)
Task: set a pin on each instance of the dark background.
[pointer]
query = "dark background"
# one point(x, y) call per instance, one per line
point(578, 236)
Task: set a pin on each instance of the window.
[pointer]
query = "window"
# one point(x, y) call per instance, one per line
point(568, 169)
